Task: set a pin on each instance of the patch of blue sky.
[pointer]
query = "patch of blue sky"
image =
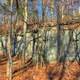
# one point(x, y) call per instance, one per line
point(39, 6)
point(54, 11)
point(48, 12)
point(30, 5)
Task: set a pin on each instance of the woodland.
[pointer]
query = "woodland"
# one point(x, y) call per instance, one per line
point(39, 39)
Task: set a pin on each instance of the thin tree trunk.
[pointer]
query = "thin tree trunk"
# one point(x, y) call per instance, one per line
point(58, 32)
point(9, 63)
point(33, 46)
point(24, 29)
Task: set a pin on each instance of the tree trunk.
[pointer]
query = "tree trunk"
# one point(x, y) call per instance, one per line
point(9, 63)
point(58, 33)
point(24, 30)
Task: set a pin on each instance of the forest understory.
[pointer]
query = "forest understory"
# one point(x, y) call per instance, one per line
point(39, 39)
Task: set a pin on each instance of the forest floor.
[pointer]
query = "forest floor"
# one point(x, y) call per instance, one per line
point(53, 71)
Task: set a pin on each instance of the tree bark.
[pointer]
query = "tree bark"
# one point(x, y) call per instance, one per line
point(58, 32)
